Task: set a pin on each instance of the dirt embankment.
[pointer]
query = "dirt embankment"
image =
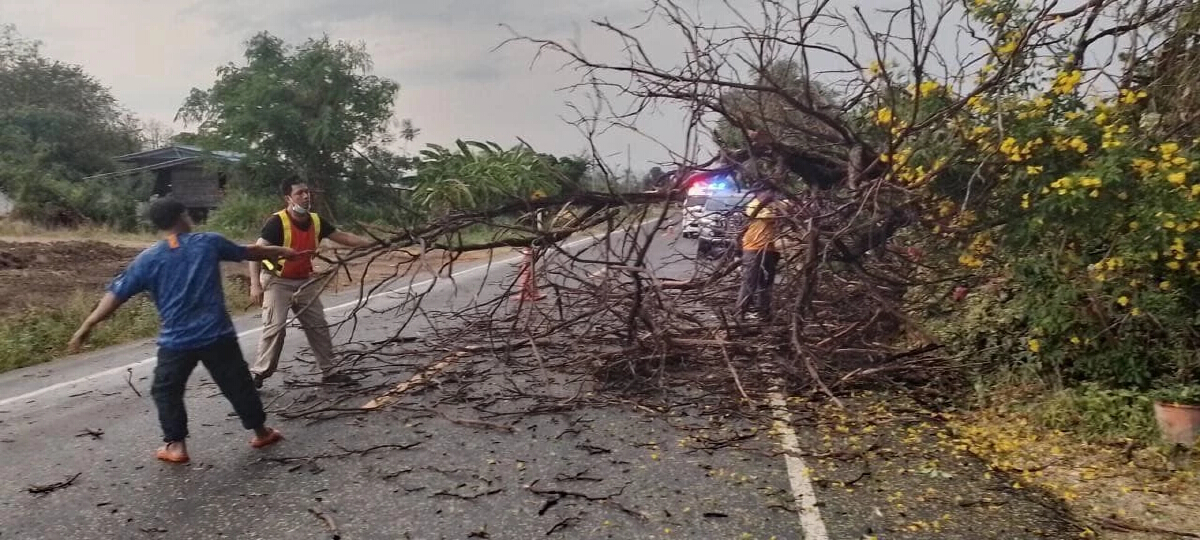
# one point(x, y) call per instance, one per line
point(46, 275)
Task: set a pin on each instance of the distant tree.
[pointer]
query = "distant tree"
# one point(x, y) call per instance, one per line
point(302, 109)
point(57, 125)
point(651, 179)
point(57, 114)
point(156, 134)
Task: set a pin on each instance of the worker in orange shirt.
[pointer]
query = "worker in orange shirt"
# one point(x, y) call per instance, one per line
point(760, 254)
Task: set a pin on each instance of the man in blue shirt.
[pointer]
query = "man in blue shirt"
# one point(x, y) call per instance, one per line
point(182, 273)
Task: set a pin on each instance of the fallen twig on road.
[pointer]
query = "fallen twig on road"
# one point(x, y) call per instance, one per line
point(49, 488)
point(129, 381)
point(328, 521)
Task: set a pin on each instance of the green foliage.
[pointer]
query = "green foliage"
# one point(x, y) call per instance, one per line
point(1100, 414)
point(57, 113)
point(1181, 394)
point(1084, 206)
point(241, 214)
point(295, 109)
point(57, 125)
point(477, 175)
point(40, 335)
point(53, 202)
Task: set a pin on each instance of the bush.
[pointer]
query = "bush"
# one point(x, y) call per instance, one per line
point(51, 201)
point(241, 215)
point(40, 335)
point(1101, 414)
point(1084, 206)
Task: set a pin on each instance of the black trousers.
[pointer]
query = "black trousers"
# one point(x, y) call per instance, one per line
point(758, 274)
point(224, 362)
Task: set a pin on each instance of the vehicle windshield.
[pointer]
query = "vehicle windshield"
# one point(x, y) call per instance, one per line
point(724, 204)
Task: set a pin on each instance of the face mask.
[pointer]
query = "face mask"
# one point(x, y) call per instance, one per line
point(299, 210)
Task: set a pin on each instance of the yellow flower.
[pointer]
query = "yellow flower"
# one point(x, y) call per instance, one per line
point(1066, 82)
point(1076, 340)
point(1166, 285)
point(928, 87)
point(1123, 301)
point(1025, 201)
point(1033, 170)
point(1078, 144)
point(977, 105)
point(1089, 181)
point(1133, 225)
point(875, 68)
point(1130, 97)
point(1135, 312)
point(1144, 166)
point(1174, 265)
point(1035, 345)
point(1168, 150)
point(1007, 48)
point(1177, 178)
point(884, 116)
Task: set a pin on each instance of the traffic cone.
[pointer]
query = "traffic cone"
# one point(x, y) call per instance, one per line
point(528, 284)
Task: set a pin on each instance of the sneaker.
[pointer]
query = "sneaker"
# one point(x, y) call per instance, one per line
point(340, 379)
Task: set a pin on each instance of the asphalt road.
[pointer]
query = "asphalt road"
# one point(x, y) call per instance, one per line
point(402, 472)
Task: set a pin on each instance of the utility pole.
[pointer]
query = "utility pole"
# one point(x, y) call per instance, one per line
point(628, 166)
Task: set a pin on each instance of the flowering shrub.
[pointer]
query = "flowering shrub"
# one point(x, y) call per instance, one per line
point(1079, 201)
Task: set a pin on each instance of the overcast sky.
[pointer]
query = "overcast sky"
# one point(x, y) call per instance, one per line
point(453, 85)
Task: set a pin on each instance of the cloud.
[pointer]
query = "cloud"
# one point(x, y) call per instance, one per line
point(454, 83)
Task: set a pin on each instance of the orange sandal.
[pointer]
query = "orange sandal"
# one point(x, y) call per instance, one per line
point(273, 436)
point(166, 454)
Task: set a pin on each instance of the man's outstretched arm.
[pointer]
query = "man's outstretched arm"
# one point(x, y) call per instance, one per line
point(350, 240)
point(107, 306)
point(261, 250)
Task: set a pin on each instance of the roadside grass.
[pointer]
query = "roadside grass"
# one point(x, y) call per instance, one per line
point(26, 231)
point(40, 335)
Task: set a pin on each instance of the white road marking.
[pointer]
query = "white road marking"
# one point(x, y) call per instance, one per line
point(119, 369)
point(811, 525)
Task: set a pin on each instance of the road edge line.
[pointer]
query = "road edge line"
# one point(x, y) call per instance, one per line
point(812, 527)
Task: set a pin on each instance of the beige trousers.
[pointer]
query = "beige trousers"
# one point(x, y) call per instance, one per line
point(279, 297)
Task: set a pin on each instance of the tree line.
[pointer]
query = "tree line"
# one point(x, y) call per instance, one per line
point(314, 109)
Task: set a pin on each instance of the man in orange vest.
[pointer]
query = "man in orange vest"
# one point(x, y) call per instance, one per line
point(760, 254)
point(281, 286)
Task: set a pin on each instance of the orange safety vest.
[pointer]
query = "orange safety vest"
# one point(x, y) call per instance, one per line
point(299, 240)
point(760, 233)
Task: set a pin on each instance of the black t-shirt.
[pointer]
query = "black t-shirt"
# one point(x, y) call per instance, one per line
point(272, 230)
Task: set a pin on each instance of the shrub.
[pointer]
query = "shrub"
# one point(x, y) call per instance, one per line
point(241, 215)
point(1082, 205)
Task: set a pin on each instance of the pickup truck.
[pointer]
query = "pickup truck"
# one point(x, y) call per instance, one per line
point(721, 224)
